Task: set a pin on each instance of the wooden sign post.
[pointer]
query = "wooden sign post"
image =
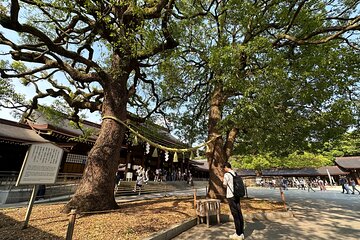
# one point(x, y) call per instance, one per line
point(40, 166)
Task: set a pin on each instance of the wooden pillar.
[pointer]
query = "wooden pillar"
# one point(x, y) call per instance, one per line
point(188, 168)
point(171, 162)
point(182, 165)
point(356, 176)
point(143, 161)
point(128, 158)
point(158, 161)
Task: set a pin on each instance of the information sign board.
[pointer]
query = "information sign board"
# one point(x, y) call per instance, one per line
point(41, 164)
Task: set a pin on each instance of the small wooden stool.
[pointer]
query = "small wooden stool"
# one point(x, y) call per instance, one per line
point(207, 207)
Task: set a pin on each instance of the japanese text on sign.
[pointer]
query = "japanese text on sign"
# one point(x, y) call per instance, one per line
point(41, 164)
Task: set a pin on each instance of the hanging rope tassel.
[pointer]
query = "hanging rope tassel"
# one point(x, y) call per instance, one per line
point(136, 142)
point(175, 157)
point(155, 153)
point(155, 144)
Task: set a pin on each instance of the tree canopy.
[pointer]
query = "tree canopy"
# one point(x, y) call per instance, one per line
point(347, 145)
point(287, 72)
point(293, 160)
point(268, 76)
point(89, 55)
point(71, 46)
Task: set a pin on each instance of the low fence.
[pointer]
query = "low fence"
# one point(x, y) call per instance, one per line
point(8, 178)
point(22, 194)
point(125, 188)
point(66, 184)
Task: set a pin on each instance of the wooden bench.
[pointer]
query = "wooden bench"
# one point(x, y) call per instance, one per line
point(207, 207)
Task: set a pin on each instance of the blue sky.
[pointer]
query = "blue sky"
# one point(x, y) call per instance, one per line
point(29, 91)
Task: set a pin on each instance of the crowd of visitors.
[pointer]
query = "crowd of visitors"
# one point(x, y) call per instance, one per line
point(143, 176)
point(162, 175)
point(310, 184)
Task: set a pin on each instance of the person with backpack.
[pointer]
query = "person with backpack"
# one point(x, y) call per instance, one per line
point(234, 190)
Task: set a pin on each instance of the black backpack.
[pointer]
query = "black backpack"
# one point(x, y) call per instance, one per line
point(238, 183)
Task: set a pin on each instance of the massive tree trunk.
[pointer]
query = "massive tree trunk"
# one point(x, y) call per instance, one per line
point(215, 153)
point(218, 151)
point(96, 188)
point(216, 159)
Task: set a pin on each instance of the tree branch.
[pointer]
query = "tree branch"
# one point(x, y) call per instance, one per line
point(169, 43)
point(339, 30)
point(7, 22)
point(39, 58)
point(230, 140)
point(14, 11)
point(155, 11)
point(294, 16)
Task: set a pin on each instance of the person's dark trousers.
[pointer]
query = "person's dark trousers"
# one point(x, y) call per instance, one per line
point(354, 188)
point(234, 204)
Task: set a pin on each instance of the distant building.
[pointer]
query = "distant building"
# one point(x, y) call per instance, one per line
point(335, 172)
point(350, 164)
point(15, 139)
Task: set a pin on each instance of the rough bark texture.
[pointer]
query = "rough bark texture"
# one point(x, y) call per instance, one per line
point(96, 189)
point(215, 153)
point(216, 159)
point(218, 151)
point(119, 25)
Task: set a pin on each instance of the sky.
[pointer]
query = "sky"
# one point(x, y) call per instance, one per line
point(29, 91)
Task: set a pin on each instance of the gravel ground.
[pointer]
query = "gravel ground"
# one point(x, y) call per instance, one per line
point(134, 220)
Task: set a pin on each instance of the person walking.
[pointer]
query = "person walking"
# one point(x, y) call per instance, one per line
point(146, 177)
point(308, 184)
point(297, 183)
point(342, 182)
point(353, 185)
point(234, 202)
point(284, 183)
point(157, 175)
point(139, 179)
point(321, 185)
point(302, 184)
point(347, 187)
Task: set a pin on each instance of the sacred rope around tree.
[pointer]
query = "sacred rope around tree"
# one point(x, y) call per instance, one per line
point(181, 150)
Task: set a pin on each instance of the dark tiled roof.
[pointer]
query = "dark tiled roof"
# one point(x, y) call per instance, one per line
point(348, 162)
point(18, 132)
point(152, 131)
point(200, 165)
point(157, 134)
point(203, 165)
point(62, 127)
point(246, 172)
point(333, 170)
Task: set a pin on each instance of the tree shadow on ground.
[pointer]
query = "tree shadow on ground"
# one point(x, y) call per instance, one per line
point(250, 227)
point(11, 229)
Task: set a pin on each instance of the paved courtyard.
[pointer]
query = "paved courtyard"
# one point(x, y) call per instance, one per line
point(318, 215)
